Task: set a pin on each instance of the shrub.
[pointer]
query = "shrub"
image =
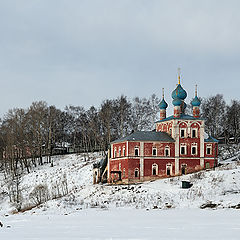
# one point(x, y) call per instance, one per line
point(39, 194)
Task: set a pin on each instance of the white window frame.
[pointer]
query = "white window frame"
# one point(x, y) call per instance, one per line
point(194, 145)
point(169, 166)
point(136, 170)
point(185, 149)
point(155, 166)
point(136, 148)
point(209, 146)
point(196, 132)
point(119, 166)
point(124, 151)
point(154, 148)
point(184, 135)
point(115, 152)
point(167, 148)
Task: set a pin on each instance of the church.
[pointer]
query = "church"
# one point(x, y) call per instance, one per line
point(177, 146)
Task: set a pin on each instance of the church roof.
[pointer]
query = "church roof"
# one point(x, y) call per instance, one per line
point(182, 116)
point(146, 136)
point(211, 139)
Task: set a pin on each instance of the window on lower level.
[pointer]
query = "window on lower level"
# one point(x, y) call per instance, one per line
point(154, 169)
point(209, 150)
point(168, 169)
point(136, 172)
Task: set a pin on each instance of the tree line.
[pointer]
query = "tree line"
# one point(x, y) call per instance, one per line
point(26, 135)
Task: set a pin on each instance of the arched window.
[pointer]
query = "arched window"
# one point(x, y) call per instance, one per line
point(154, 169)
point(169, 169)
point(136, 151)
point(136, 172)
point(115, 152)
point(124, 151)
point(119, 152)
point(154, 151)
point(167, 151)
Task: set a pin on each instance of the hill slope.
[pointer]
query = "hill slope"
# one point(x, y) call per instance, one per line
point(220, 186)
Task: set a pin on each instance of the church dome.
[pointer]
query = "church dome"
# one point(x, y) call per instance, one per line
point(179, 92)
point(177, 102)
point(163, 104)
point(196, 102)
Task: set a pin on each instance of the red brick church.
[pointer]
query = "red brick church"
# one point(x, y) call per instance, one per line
point(177, 146)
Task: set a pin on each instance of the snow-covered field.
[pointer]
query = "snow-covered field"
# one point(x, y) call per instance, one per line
point(126, 224)
point(152, 210)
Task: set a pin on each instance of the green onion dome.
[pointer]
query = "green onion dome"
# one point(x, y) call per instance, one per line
point(177, 102)
point(196, 102)
point(179, 92)
point(163, 104)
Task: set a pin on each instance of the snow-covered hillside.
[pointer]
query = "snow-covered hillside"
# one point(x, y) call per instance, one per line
point(81, 214)
point(220, 186)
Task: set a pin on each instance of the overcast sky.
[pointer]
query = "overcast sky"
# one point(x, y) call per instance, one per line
point(82, 52)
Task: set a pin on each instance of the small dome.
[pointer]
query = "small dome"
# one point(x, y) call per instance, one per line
point(196, 102)
point(177, 102)
point(179, 92)
point(163, 104)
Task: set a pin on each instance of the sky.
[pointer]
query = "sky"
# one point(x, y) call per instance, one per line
point(81, 52)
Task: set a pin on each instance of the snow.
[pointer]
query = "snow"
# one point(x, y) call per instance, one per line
point(126, 224)
point(158, 209)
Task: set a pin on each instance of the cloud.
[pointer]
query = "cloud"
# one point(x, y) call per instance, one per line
point(81, 52)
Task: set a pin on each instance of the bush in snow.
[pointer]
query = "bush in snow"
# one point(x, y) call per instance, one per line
point(39, 194)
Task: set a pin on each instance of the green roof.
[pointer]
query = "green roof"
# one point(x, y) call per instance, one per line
point(182, 116)
point(211, 139)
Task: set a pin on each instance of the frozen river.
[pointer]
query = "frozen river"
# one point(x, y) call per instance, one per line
point(125, 224)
